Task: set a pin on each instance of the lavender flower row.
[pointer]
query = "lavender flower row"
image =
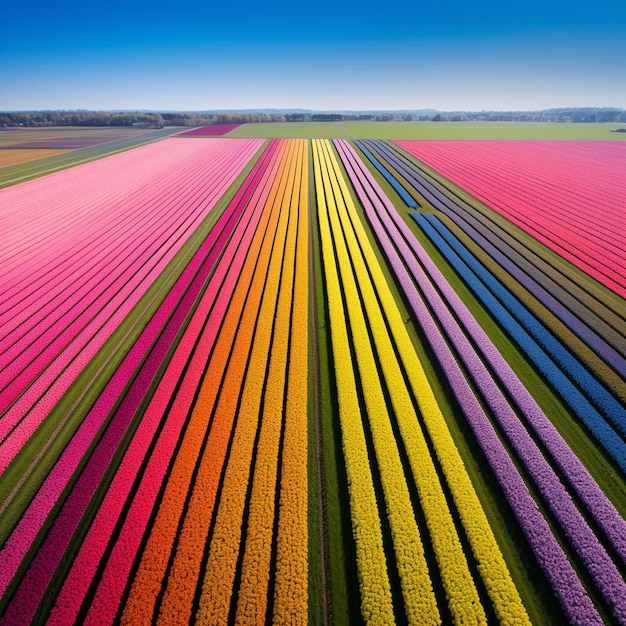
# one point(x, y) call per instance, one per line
point(577, 476)
point(578, 404)
point(574, 323)
point(596, 392)
point(559, 571)
point(398, 188)
point(601, 568)
point(603, 571)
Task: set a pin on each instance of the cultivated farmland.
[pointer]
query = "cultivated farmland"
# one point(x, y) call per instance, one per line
point(431, 130)
point(30, 152)
point(213, 130)
point(249, 380)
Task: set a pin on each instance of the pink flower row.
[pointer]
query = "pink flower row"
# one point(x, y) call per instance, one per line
point(179, 385)
point(67, 331)
point(23, 535)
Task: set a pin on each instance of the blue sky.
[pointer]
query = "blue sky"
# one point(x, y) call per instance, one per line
point(318, 55)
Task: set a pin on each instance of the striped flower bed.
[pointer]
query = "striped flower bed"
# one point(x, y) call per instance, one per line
point(241, 383)
point(213, 130)
point(163, 371)
point(412, 268)
point(568, 197)
point(586, 316)
point(87, 258)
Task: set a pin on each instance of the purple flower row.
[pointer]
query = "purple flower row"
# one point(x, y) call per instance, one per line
point(578, 404)
point(398, 188)
point(577, 476)
point(546, 297)
point(601, 568)
point(595, 392)
point(66, 144)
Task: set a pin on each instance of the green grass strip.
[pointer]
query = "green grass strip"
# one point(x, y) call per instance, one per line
point(431, 130)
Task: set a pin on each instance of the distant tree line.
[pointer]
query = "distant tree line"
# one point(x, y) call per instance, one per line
point(547, 115)
point(161, 119)
point(80, 118)
point(329, 117)
point(155, 120)
point(590, 114)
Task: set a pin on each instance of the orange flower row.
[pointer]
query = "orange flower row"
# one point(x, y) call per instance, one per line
point(283, 367)
point(261, 396)
point(237, 328)
point(234, 348)
point(291, 576)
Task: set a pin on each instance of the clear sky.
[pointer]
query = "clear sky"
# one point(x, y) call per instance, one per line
point(320, 55)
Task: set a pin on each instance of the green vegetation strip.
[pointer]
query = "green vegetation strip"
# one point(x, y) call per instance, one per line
point(32, 169)
point(431, 130)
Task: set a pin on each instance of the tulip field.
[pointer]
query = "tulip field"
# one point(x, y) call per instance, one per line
point(213, 130)
point(567, 198)
point(293, 381)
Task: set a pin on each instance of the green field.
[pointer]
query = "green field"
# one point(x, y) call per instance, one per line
point(430, 130)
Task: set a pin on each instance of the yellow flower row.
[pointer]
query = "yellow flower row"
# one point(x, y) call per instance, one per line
point(491, 565)
point(463, 599)
point(374, 586)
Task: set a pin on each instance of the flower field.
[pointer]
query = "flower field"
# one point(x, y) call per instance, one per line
point(29, 144)
point(315, 381)
point(567, 197)
point(213, 130)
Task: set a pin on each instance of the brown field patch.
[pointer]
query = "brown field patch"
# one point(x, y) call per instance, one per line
point(15, 157)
